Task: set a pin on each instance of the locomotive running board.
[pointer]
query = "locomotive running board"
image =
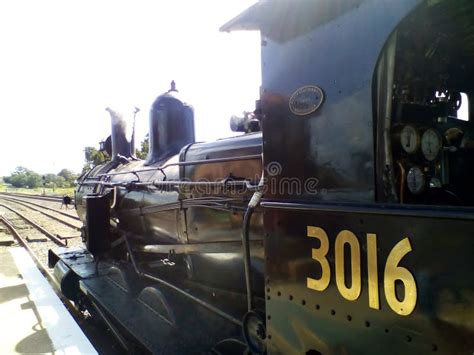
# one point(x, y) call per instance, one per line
point(160, 319)
point(142, 322)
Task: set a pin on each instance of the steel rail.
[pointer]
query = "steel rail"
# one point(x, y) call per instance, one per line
point(43, 269)
point(45, 207)
point(36, 197)
point(37, 226)
point(24, 244)
point(43, 212)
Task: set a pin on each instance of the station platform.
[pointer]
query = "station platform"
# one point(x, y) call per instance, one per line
point(33, 319)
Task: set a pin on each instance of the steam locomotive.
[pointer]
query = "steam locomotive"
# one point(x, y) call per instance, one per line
point(340, 222)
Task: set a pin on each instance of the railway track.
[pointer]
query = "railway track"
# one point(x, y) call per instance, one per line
point(40, 229)
point(71, 221)
point(42, 206)
point(36, 239)
point(51, 204)
point(35, 197)
point(39, 235)
point(27, 245)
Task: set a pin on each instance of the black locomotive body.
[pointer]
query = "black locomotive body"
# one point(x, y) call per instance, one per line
point(344, 227)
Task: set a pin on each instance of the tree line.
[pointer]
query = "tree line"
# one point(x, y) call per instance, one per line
point(26, 178)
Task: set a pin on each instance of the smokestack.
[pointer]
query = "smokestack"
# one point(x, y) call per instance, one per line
point(122, 140)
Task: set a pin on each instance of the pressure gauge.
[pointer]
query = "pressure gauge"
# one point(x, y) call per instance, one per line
point(435, 182)
point(431, 144)
point(409, 139)
point(416, 180)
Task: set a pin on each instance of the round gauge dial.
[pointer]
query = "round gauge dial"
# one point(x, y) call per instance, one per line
point(409, 139)
point(431, 144)
point(454, 136)
point(435, 182)
point(416, 180)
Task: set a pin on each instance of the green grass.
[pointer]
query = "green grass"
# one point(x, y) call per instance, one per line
point(39, 190)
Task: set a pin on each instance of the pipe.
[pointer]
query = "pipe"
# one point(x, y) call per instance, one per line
point(402, 182)
point(185, 163)
point(132, 148)
point(253, 203)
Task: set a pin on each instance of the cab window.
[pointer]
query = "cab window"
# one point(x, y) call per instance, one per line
point(422, 85)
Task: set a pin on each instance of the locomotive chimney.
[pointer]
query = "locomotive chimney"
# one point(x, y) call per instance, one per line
point(122, 140)
point(171, 126)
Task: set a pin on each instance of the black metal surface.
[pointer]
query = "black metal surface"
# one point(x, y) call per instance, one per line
point(377, 209)
point(150, 325)
point(68, 281)
point(247, 257)
point(302, 319)
point(198, 248)
point(123, 144)
point(330, 150)
point(335, 46)
point(171, 127)
point(97, 224)
point(78, 260)
point(184, 163)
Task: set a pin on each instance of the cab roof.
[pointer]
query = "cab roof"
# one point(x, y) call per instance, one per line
point(282, 20)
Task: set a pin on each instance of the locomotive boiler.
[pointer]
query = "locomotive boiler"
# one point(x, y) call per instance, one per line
point(339, 222)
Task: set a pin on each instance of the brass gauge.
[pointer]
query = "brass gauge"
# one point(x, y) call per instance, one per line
point(435, 182)
point(431, 143)
point(454, 136)
point(409, 139)
point(416, 180)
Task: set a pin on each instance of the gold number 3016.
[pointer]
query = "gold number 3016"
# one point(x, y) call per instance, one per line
point(392, 273)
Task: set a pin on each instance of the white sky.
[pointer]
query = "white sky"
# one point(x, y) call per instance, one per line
point(63, 62)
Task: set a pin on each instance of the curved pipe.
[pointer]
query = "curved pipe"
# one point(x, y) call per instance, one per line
point(246, 255)
point(253, 203)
